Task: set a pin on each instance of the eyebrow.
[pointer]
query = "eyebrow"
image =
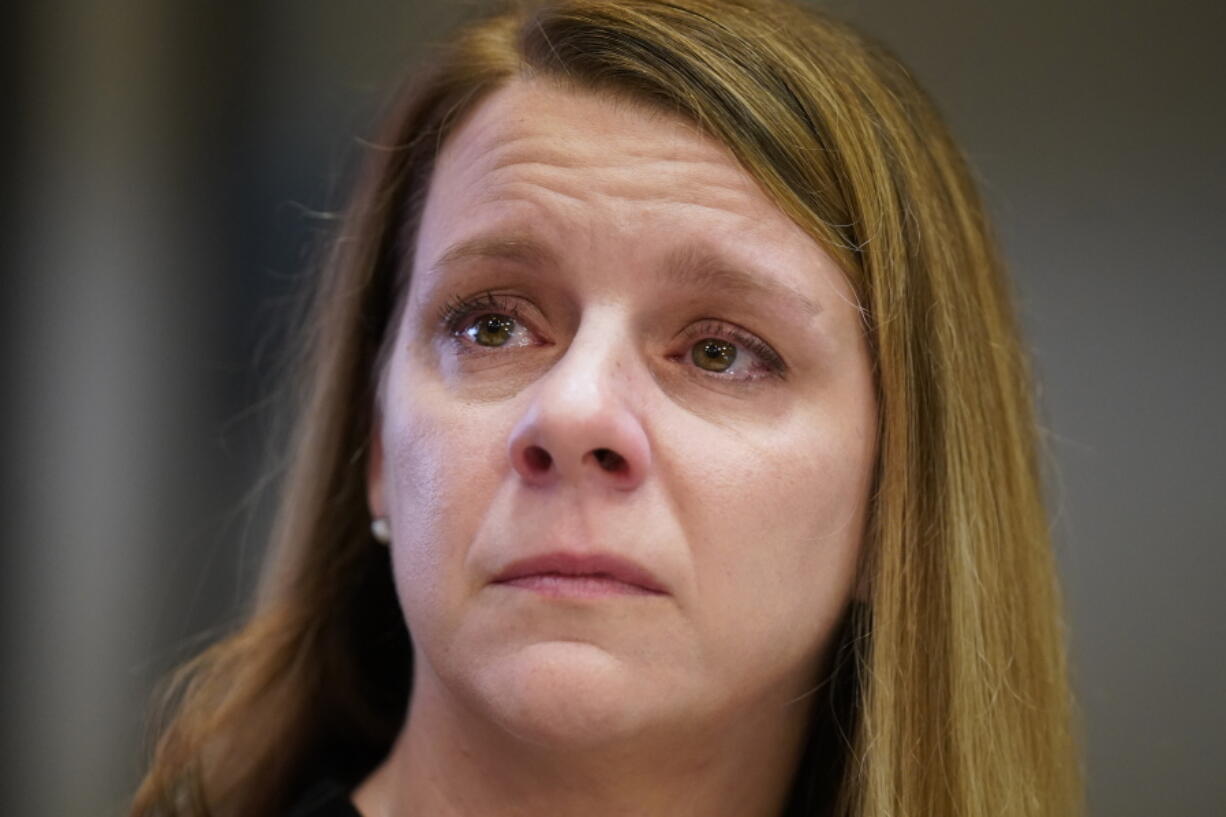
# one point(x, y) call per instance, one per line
point(700, 267)
point(520, 249)
point(690, 266)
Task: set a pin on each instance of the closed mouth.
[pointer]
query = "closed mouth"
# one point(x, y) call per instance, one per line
point(581, 574)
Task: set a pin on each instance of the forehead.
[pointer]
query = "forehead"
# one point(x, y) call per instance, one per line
point(535, 138)
point(610, 181)
point(581, 126)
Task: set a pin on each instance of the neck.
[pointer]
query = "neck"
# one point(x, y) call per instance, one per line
point(450, 763)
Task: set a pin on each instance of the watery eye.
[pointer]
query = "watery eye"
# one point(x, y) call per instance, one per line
point(713, 354)
point(491, 330)
point(719, 350)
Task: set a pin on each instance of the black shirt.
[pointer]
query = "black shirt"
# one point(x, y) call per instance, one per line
point(327, 798)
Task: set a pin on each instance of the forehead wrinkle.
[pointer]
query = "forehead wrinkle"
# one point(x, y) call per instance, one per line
point(625, 196)
point(621, 168)
point(611, 168)
point(552, 149)
point(553, 202)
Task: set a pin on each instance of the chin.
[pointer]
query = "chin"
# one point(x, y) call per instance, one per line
point(566, 695)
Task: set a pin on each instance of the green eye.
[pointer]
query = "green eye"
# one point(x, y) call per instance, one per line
point(491, 330)
point(713, 354)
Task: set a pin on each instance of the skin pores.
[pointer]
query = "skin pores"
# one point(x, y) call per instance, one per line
point(592, 276)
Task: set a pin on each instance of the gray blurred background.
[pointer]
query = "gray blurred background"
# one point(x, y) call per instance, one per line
point(168, 165)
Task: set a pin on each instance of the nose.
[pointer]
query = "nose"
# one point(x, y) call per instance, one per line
point(579, 427)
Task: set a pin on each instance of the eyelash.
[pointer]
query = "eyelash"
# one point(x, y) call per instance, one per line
point(456, 314)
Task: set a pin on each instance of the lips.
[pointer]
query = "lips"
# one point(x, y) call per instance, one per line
point(581, 574)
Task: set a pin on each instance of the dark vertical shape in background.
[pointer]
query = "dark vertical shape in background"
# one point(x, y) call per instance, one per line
point(167, 165)
point(125, 374)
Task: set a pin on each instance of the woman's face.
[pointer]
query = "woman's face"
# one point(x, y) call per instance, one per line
point(626, 431)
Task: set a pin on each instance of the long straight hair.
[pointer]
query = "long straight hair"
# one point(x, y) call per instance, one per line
point(949, 695)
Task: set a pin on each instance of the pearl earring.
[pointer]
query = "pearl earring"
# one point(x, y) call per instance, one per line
point(381, 530)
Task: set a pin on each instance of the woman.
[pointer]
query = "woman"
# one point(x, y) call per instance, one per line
point(664, 385)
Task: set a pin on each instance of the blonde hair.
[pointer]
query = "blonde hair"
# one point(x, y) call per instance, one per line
point(950, 696)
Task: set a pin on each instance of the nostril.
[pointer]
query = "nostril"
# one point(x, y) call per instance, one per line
point(538, 459)
point(609, 460)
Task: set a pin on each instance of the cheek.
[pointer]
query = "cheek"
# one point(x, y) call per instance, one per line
point(776, 525)
point(789, 502)
point(442, 470)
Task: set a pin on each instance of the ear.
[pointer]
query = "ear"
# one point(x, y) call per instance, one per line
point(376, 500)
